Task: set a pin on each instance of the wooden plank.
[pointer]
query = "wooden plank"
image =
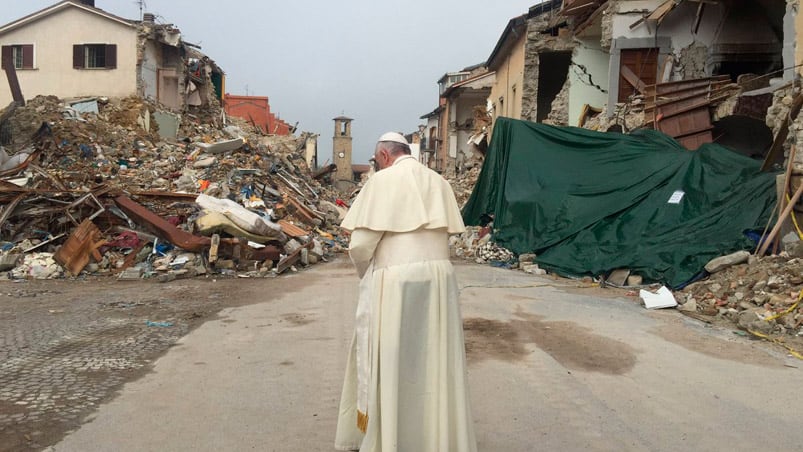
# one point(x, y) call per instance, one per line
point(632, 78)
point(695, 131)
point(292, 230)
point(291, 259)
point(695, 141)
point(578, 29)
point(14, 83)
point(673, 91)
point(689, 122)
point(161, 228)
point(668, 108)
point(705, 103)
point(657, 15)
point(303, 210)
point(781, 219)
point(689, 82)
point(577, 7)
point(653, 100)
point(9, 209)
point(787, 180)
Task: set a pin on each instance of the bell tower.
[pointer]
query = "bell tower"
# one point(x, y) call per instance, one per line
point(341, 149)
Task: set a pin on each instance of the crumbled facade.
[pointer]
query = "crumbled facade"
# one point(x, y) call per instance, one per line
point(546, 48)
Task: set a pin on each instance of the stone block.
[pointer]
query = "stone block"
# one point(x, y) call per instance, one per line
point(9, 261)
point(723, 262)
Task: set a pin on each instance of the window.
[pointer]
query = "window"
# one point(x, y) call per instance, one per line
point(20, 55)
point(94, 56)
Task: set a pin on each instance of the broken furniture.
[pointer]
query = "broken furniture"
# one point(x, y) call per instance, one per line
point(83, 243)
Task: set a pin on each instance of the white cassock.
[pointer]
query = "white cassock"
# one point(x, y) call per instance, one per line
point(405, 388)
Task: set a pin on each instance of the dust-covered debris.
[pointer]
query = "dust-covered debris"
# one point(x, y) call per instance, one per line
point(79, 163)
point(761, 295)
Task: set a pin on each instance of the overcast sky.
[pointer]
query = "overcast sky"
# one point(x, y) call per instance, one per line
point(376, 61)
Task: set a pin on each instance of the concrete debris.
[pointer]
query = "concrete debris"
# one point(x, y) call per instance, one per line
point(38, 266)
point(619, 276)
point(491, 252)
point(723, 262)
point(221, 146)
point(9, 261)
point(463, 182)
point(149, 189)
point(749, 294)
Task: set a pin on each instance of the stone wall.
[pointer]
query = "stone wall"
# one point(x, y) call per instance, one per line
point(559, 115)
point(689, 62)
point(537, 43)
point(795, 133)
point(624, 115)
point(607, 24)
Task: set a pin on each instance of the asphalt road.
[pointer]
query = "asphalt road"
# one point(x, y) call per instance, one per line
point(552, 366)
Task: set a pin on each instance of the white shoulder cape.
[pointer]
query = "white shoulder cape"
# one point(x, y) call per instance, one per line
point(405, 197)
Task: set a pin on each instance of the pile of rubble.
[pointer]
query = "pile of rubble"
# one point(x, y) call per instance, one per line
point(120, 187)
point(463, 182)
point(759, 295)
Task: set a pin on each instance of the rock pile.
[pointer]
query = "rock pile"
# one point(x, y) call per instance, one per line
point(760, 295)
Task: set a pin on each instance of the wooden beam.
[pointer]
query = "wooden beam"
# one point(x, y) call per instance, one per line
point(633, 79)
point(9, 209)
point(14, 83)
point(781, 219)
point(579, 28)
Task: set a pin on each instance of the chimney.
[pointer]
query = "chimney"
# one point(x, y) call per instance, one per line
point(88, 3)
point(148, 18)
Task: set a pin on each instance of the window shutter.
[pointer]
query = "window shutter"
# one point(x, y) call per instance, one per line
point(27, 56)
point(7, 56)
point(78, 56)
point(111, 56)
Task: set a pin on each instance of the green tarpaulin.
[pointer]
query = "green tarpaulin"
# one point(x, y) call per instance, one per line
point(589, 202)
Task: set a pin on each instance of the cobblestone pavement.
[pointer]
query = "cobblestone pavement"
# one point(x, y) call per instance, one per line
point(67, 346)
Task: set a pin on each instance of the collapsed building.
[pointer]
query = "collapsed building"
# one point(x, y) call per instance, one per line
point(696, 71)
point(123, 163)
point(98, 52)
point(710, 89)
point(97, 193)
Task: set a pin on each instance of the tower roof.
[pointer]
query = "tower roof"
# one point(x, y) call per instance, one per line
point(342, 118)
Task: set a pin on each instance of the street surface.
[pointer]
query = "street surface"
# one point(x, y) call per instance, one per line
point(553, 365)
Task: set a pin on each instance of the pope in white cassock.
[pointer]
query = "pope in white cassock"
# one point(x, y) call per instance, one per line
point(405, 388)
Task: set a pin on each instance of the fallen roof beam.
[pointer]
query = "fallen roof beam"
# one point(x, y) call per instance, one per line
point(161, 227)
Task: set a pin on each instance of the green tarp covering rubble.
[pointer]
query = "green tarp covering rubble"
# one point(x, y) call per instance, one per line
point(590, 202)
